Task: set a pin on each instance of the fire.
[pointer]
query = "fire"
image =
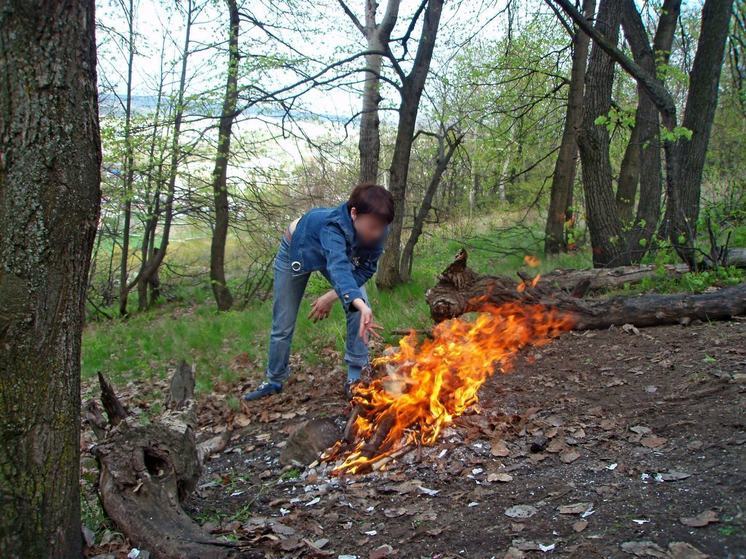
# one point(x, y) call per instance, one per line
point(521, 287)
point(427, 385)
point(531, 261)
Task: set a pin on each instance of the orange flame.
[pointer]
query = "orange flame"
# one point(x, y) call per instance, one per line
point(531, 261)
point(427, 385)
point(521, 287)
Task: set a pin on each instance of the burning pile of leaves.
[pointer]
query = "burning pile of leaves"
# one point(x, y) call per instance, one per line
point(426, 385)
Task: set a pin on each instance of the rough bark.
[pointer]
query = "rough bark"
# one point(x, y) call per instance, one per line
point(684, 188)
point(593, 140)
point(654, 88)
point(565, 167)
point(411, 90)
point(115, 411)
point(220, 289)
point(684, 158)
point(461, 290)
point(580, 282)
point(50, 164)
point(181, 389)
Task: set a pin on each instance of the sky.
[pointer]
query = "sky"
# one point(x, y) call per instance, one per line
point(327, 35)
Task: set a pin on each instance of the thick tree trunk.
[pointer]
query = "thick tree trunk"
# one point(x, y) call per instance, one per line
point(565, 167)
point(593, 140)
point(684, 188)
point(49, 203)
point(369, 144)
point(388, 274)
point(220, 289)
point(684, 158)
point(377, 37)
point(460, 290)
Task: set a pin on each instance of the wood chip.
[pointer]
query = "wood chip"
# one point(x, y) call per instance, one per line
point(514, 553)
point(569, 456)
point(653, 441)
point(499, 476)
point(575, 508)
point(580, 525)
point(702, 519)
point(521, 511)
point(640, 430)
point(498, 448)
point(381, 551)
point(644, 549)
point(683, 550)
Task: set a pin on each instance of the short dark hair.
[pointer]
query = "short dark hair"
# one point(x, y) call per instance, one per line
point(369, 198)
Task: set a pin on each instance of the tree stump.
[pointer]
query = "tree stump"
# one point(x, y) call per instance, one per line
point(146, 472)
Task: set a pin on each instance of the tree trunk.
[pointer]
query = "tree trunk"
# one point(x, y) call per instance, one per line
point(220, 289)
point(684, 188)
point(460, 290)
point(565, 167)
point(149, 272)
point(155, 170)
point(593, 141)
point(441, 164)
point(502, 179)
point(49, 205)
point(128, 171)
point(146, 472)
point(684, 158)
point(377, 37)
point(411, 90)
point(369, 144)
point(642, 160)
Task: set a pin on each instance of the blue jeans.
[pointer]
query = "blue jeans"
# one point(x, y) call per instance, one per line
point(288, 292)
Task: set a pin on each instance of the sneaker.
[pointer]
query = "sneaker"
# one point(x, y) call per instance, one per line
point(267, 388)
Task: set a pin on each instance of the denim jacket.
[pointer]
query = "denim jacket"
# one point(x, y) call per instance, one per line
point(324, 240)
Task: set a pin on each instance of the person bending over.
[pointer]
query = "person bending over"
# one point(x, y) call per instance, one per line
point(344, 244)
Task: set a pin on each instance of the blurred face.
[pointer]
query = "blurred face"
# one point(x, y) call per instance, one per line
point(369, 228)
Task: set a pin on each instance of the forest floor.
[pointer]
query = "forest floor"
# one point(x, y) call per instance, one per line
point(599, 444)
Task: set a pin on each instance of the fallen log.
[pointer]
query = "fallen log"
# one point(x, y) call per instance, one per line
point(599, 279)
point(732, 257)
point(461, 290)
point(146, 472)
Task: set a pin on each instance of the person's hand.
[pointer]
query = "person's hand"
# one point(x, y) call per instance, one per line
point(368, 326)
point(322, 306)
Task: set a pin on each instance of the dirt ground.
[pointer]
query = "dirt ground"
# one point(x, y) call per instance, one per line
point(600, 444)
